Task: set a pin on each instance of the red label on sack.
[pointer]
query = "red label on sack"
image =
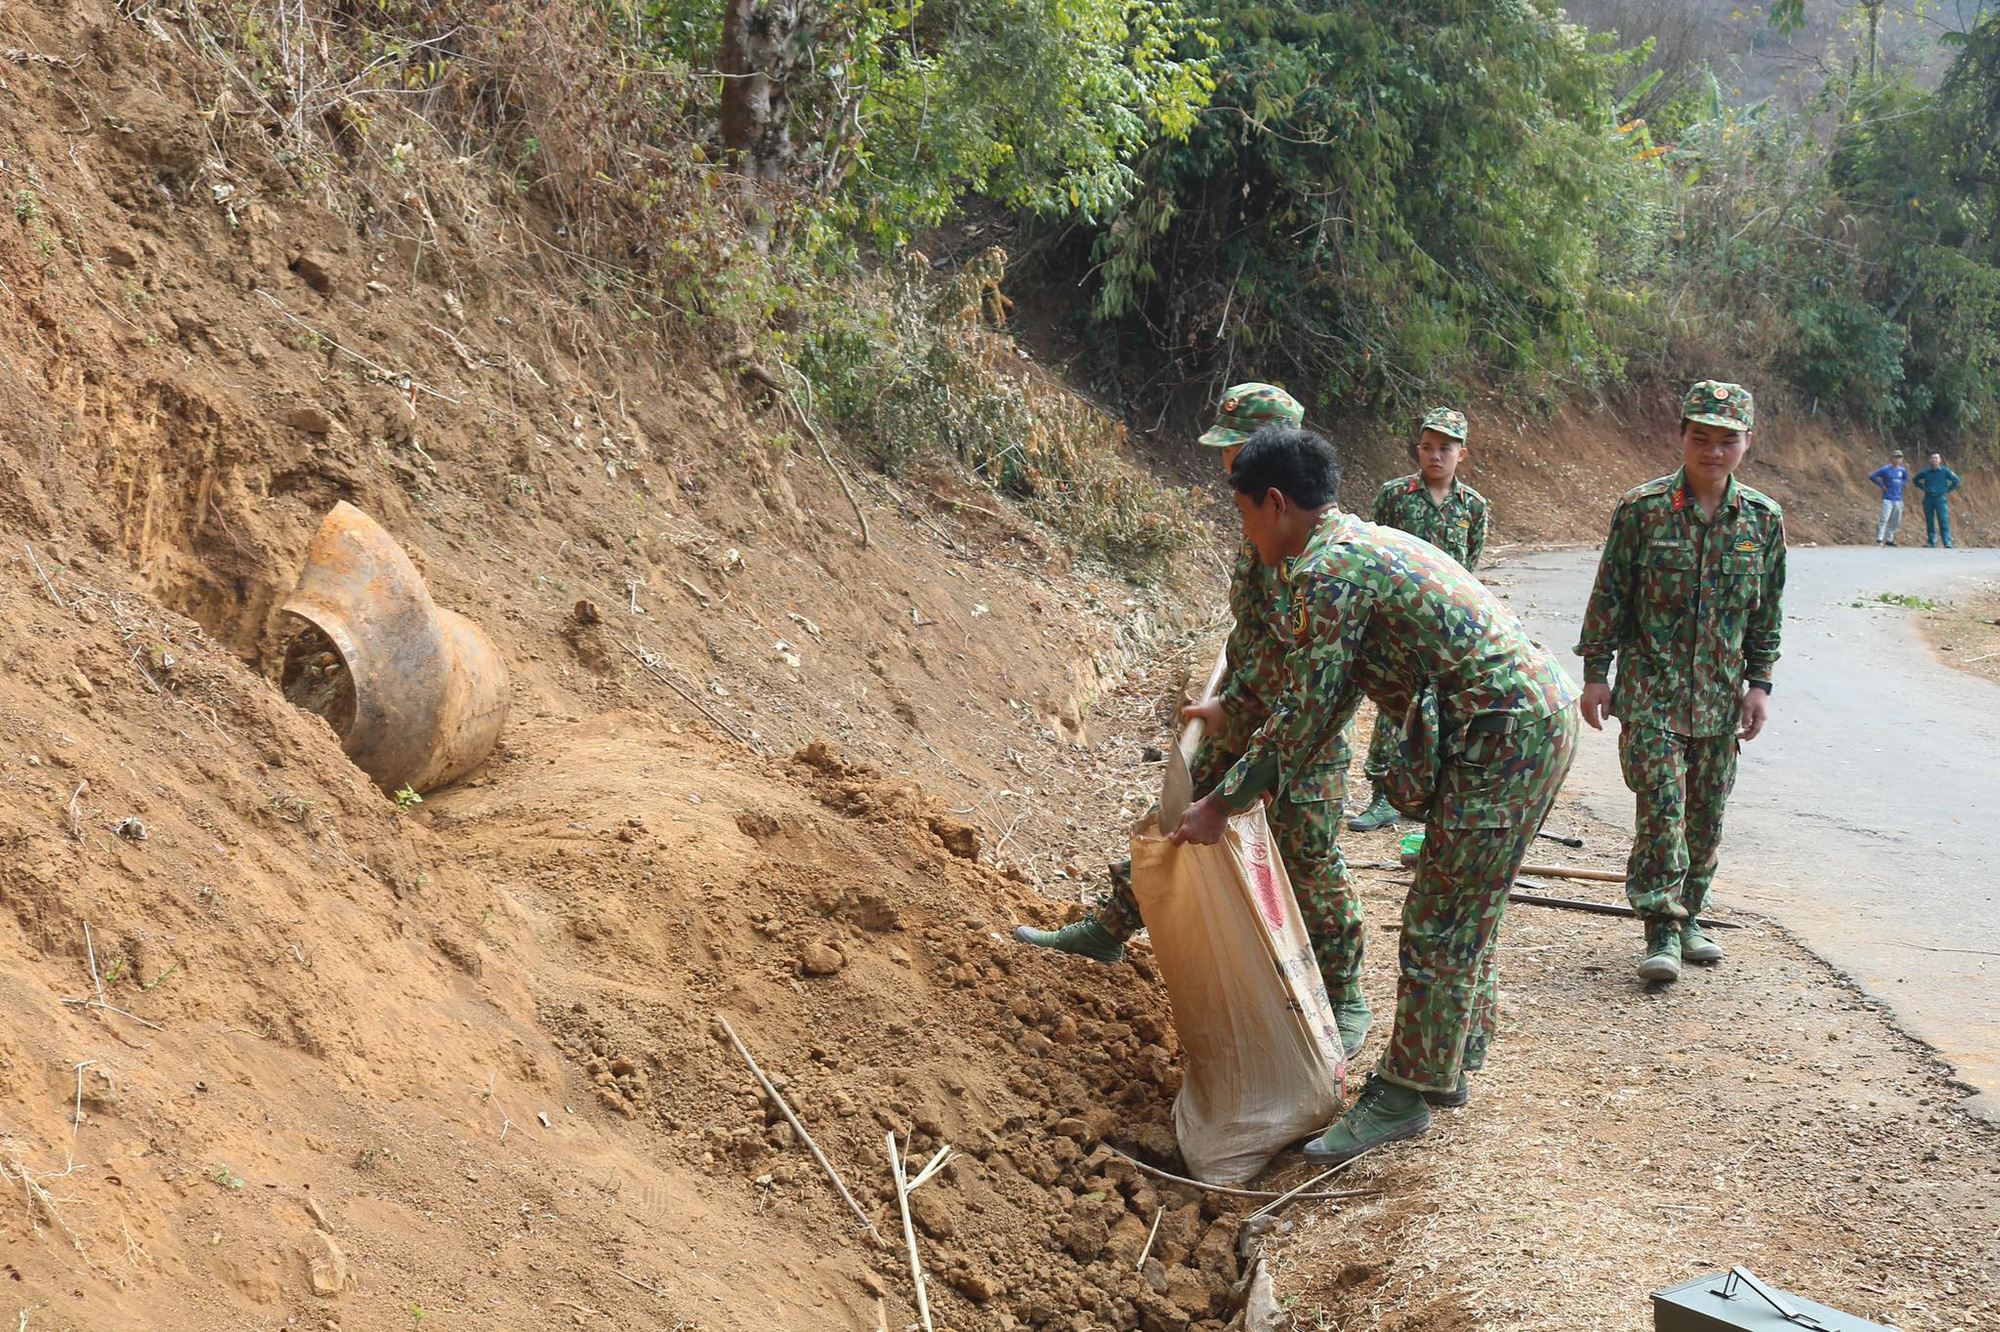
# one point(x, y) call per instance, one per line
point(1264, 883)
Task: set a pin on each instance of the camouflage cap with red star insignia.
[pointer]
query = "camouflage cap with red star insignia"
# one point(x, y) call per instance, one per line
point(1248, 407)
point(1712, 402)
point(1446, 421)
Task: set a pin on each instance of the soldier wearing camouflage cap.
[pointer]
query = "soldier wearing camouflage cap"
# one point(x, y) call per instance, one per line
point(1306, 819)
point(1687, 603)
point(1245, 409)
point(1433, 504)
point(1380, 613)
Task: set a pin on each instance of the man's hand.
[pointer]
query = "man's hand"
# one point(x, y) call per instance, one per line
point(1208, 712)
point(1756, 711)
point(1203, 824)
point(1596, 705)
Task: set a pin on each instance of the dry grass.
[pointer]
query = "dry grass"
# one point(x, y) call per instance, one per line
point(1965, 633)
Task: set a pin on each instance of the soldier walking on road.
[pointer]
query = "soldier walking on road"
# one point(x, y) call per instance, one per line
point(1937, 482)
point(1306, 820)
point(1431, 503)
point(1379, 612)
point(1688, 603)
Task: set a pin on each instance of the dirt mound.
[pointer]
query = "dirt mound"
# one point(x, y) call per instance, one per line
point(359, 1063)
point(842, 922)
point(347, 1061)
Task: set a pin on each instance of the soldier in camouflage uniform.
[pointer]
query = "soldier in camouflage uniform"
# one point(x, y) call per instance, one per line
point(1687, 602)
point(1433, 504)
point(1379, 612)
point(1305, 822)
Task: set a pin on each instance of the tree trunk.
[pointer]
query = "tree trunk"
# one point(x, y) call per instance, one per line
point(765, 45)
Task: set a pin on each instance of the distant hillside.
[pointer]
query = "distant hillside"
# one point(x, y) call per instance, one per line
point(1754, 61)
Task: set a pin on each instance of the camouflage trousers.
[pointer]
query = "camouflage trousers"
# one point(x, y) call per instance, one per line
point(1496, 789)
point(1382, 748)
point(1307, 833)
point(1682, 783)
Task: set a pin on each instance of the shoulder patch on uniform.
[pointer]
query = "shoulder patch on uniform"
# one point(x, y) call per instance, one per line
point(1472, 495)
point(1658, 486)
point(1758, 498)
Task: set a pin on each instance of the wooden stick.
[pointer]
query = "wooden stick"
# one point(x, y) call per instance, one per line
point(826, 455)
point(640, 656)
point(98, 1003)
point(1224, 1189)
point(799, 1129)
point(1286, 1197)
point(909, 1233)
point(1574, 872)
point(91, 949)
point(931, 1169)
point(75, 823)
point(640, 1284)
point(55, 595)
point(1158, 1212)
point(388, 375)
point(76, 1120)
point(1608, 909)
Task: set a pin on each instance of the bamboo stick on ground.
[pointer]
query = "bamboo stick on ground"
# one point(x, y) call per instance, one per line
point(799, 1129)
point(903, 1187)
point(1224, 1189)
point(1574, 872)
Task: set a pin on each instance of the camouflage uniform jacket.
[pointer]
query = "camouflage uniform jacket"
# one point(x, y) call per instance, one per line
point(1457, 527)
point(1258, 646)
point(1378, 611)
point(1688, 605)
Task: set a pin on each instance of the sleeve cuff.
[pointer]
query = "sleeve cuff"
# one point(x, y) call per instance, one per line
point(1597, 670)
point(1243, 785)
point(1757, 682)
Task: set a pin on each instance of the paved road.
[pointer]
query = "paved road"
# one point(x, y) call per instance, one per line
point(1867, 816)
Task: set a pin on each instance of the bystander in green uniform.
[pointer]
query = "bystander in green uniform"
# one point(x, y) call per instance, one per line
point(1687, 603)
point(1378, 612)
point(1431, 503)
point(1305, 821)
point(1936, 482)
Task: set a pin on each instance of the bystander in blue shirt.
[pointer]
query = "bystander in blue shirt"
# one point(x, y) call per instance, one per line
point(1890, 478)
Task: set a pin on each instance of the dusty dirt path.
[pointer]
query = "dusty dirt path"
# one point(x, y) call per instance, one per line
point(1765, 1112)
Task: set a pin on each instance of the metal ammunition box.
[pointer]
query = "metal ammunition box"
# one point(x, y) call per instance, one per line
point(1736, 1301)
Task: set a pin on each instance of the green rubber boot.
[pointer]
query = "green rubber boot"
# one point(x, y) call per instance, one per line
point(1662, 962)
point(1698, 947)
point(1382, 1113)
point(1353, 1018)
point(1380, 814)
point(1452, 1099)
point(1086, 938)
